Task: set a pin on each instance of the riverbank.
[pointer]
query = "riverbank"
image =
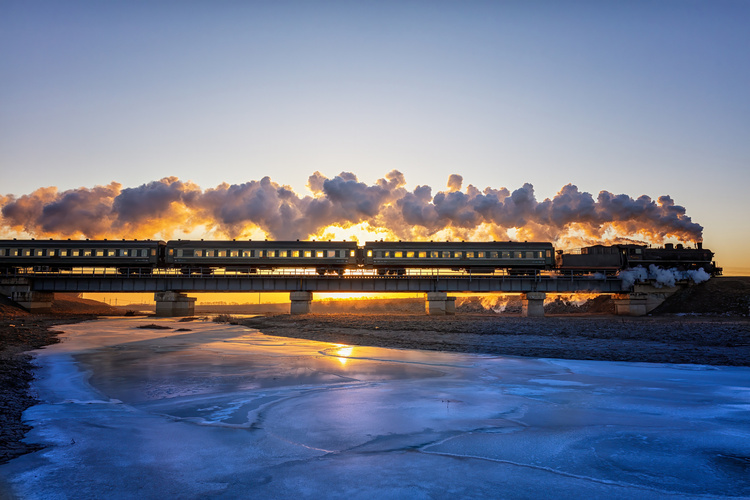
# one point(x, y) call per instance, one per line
point(21, 332)
point(663, 339)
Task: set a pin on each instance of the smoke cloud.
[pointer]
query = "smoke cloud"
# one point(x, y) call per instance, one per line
point(660, 277)
point(168, 206)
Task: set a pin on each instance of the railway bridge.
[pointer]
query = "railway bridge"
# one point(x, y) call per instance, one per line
point(35, 290)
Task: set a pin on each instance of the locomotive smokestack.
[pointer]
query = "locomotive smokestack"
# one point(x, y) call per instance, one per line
point(700, 245)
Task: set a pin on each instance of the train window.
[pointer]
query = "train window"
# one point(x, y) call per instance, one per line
point(369, 253)
point(422, 255)
point(352, 253)
point(87, 252)
point(27, 252)
point(247, 253)
point(295, 253)
point(469, 255)
point(221, 253)
point(234, 253)
point(308, 253)
point(39, 252)
point(332, 253)
point(319, 254)
point(99, 253)
point(208, 253)
point(410, 255)
point(529, 255)
point(111, 253)
point(518, 255)
point(398, 255)
point(549, 254)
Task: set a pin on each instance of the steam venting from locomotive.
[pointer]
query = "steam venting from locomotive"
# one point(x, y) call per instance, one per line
point(168, 207)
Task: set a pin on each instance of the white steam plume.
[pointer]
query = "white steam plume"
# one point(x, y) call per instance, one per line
point(169, 205)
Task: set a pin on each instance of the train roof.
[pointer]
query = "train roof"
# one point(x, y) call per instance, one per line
point(261, 243)
point(78, 242)
point(461, 244)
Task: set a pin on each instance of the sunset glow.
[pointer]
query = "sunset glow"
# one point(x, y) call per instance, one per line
point(574, 124)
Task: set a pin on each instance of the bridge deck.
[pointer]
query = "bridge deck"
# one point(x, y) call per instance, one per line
point(313, 283)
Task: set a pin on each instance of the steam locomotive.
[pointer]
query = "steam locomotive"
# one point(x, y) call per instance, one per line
point(610, 259)
point(334, 257)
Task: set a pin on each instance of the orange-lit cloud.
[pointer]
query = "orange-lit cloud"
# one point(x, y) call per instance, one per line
point(342, 207)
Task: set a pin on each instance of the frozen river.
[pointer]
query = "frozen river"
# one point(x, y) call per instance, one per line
point(221, 411)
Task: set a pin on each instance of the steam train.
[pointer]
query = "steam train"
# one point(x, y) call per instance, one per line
point(334, 257)
point(610, 259)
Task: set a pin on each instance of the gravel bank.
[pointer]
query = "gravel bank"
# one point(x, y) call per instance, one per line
point(665, 339)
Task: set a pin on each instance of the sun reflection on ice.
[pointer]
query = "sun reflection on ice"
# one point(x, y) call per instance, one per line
point(343, 352)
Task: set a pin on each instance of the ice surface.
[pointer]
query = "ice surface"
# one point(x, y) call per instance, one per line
point(226, 412)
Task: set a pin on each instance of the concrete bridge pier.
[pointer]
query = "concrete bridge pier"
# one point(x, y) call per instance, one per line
point(33, 301)
point(19, 290)
point(300, 302)
point(630, 304)
point(532, 304)
point(172, 304)
point(439, 304)
point(645, 298)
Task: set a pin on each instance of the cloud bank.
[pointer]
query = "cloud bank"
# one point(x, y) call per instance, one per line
point(170, 206)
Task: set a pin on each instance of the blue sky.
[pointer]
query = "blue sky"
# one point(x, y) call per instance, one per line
point(630, 97)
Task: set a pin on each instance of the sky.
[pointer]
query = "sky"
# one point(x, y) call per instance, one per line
point(635, 98)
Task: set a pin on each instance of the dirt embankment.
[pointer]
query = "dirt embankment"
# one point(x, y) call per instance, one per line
point(724, 296)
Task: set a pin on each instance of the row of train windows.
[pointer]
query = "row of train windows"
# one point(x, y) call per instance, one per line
point(396, 254)
point(76, 252)
point(318, 254)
